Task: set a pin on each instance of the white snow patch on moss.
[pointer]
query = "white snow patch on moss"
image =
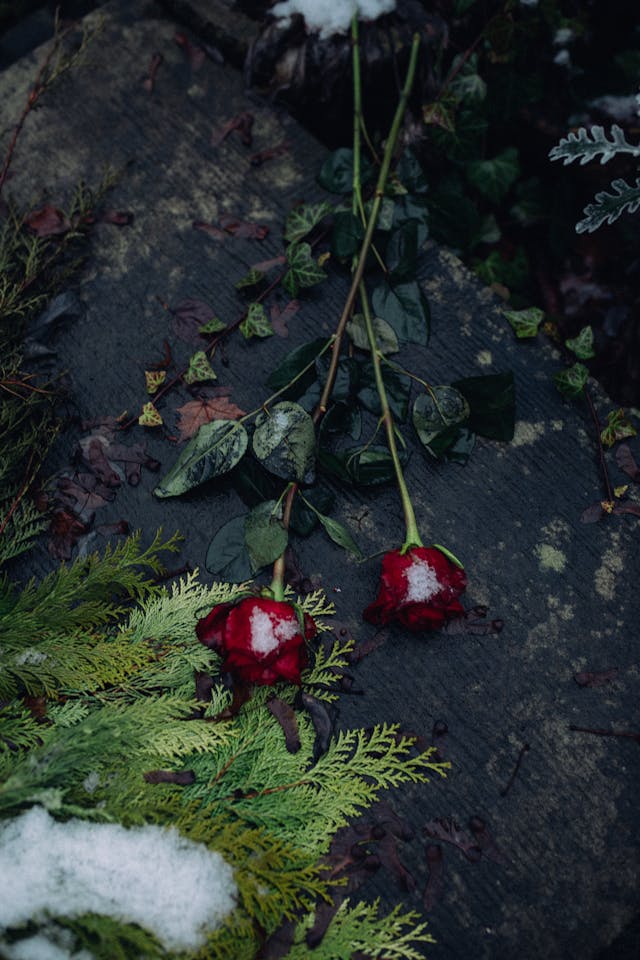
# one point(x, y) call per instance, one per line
point(153, 876)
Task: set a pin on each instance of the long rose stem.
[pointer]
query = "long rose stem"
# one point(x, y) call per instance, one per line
point(412, 538)
point(277, 582)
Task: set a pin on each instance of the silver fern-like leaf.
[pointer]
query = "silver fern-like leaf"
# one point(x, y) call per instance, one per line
point(608, 206)
point(586, 145)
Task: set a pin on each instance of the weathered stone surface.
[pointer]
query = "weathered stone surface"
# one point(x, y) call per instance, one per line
point(567, 883)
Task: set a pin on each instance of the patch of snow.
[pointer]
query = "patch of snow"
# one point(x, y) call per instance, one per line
point(331, 16)
point(176, 888)
point(422, 582)
point(31, 656)
point(267, 633)
point(54, 944)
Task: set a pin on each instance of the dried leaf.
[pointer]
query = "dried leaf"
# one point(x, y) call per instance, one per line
point(149, 417)
point(196, 412)
point(286, 717)
point(47, 221)
point(599, 678)
point(189, 317)
point(627, 463)
point(243, 123)
point(435, 881)
point(214, 232)
point(592, 513)
point(119, 218)
point(242, 228)
point(448, 830)
point(485, 841)
point(195, 54)
point(257, 159)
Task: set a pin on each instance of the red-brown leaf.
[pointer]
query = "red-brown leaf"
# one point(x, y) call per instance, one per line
point(48, 221)
point(196, 412)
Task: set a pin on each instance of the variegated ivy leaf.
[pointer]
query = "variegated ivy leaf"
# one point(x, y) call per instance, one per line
point(215, 325)
point(250, 279)
point(154, 379)
point(617, 428)
point(303, 219)
point(525, 323)
point(256, 323)
point(572, 381)
point(149, 416)
point(303, 270)
point(582, 345)
point(199, 369)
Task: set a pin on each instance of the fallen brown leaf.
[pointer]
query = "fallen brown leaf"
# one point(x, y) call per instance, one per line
point(196, 412)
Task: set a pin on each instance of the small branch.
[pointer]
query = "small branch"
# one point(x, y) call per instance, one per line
point(523, 749)
point(601, 456)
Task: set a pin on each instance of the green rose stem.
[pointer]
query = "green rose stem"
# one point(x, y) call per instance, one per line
point(413, 537)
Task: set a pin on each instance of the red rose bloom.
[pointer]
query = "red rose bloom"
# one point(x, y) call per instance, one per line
point(418, 589)
point(259, 640)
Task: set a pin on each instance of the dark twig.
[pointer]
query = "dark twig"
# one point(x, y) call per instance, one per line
point(601, 457)
point(523, 749)
point(599, 732)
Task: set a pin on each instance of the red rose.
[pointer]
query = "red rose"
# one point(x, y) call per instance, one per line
point(418, 589)
point(259, 640)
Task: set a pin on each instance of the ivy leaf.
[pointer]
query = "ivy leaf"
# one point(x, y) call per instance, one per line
point(492, 400)
point(214, 325)
point(385, 334)
point(493, 178)
point(405, 308)
point(150, 417)
point(199, 369)
point(303, 270)
point(336, 174)
point(571, 381)
point(582, 345)
point(303, 219)
point(256, 323)
point(264, 534)
point(398, 387)
point(154, 380)
point(284, 440)
point(227, 555)
point(250, 279)
point(437, 411)
point(410, 173)
point(617, 428)
point(372, 466)
point(525, 323)
point(347, 234)
point(214, 450)
point(402, 251)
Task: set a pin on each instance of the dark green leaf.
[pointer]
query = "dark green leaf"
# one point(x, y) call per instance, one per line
point(385, 334)
point(437, 411)
point(571, 382)
point(293, 364)
point(402, 252)
point(405, 308)
point(454, 218)
point(303, 219)
point(454, 444)
point(340, 535)
point(342, 418)
point(493, 178)
point(492, 400)
point(216, 448)
point(303, 270)
point(398, 387)
point(525, 322)
point(347, 235)
point(582, 345)
point(256, 323)
point(410, 173)
point(336, 174)
point(284, 440)
point(253, 483)
point(227, 556)
point(215, 325)
point(346, 375)
point(264, 535)
point(371, 466)
point(303, 518)
point(334, 464)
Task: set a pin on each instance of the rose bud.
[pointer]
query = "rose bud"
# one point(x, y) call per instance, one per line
point(260, 640)
point(418, 589)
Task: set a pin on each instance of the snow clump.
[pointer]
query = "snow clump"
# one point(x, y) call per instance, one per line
point(153, 876)
point(331, 16)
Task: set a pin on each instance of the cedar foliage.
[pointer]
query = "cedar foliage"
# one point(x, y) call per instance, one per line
point(112, 654)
